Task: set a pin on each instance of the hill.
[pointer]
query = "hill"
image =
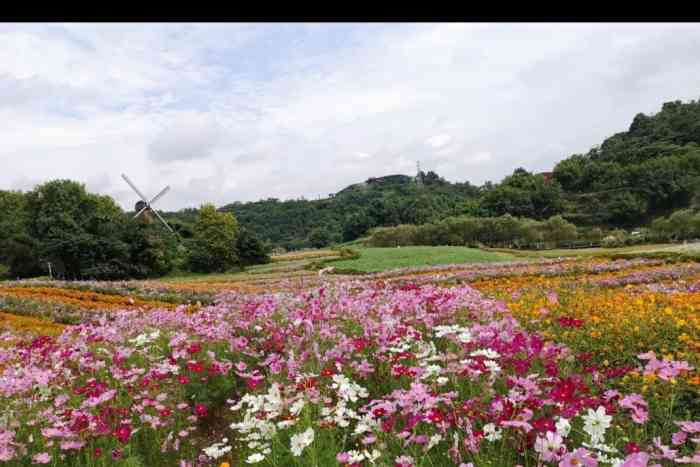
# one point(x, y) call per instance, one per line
point(649, 170)
point(381, 201)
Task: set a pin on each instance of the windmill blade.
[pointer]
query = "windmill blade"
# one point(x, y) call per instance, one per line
point(131, 184)
point(162, 220)
point(139, 213)
point(159, 195)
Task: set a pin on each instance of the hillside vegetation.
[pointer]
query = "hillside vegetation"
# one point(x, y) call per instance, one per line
point(650, 170)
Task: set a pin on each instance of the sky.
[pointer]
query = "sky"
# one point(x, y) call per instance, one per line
point(226, 112)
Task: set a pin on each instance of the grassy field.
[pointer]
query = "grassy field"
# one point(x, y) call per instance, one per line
point(380, 259)
point(691, 249)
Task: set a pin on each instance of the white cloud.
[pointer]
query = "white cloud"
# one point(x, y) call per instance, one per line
point(226, 112)
point(438, 141)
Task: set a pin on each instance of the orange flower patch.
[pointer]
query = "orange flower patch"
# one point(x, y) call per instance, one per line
point(28, 324)
point(81, 299)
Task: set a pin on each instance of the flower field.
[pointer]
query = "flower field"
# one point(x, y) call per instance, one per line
point(560, 362)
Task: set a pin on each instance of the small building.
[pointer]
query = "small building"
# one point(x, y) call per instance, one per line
point(547, 176)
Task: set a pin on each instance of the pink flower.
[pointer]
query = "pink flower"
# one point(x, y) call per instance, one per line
point(689, 427)
point(638, 459)
point(679, 437)
point(578, 458)
point(41, 458)
point(695, 459)
point(550, 447)
point(638, 405)
point(404, 461)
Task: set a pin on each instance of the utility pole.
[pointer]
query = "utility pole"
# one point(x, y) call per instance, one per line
point(50, 272)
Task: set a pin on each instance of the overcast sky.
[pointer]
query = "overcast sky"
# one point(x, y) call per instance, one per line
point(227, 112)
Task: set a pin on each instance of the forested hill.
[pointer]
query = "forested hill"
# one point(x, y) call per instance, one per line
point(633, 176)
point(383, 201)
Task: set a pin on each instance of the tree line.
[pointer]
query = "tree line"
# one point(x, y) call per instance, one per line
point(501, 231)
point(88, 236)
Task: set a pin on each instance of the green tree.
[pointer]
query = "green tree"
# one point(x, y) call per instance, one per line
point(557, 229)
point(213, 245)
point(78, 232)
point(250, 249)
point(320, 237)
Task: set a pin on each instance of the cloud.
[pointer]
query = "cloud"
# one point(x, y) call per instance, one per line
point(227, 112)
point(438, 141)
point(189, 136)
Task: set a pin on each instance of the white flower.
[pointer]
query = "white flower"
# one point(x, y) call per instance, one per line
point(493, 366)
point(464, 337)
point(595, 423)
point(373, 456)
point(433, 441)
point(348, 390)
point(255, 458)
point(216, 450)
point(442, 380)
point(492, 433)
point(563, 427)
point(301, 441)
point(296, 407)
point(488, 353)
point(355, 457)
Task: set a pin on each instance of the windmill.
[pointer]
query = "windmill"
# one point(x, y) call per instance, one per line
point(143, 205)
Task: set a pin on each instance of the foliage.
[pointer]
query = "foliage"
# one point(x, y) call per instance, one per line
point(492, 231)
point(652, 168)
point(213, 246)
point(250, 249)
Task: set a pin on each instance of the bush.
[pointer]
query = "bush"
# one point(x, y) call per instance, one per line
point(614, 239)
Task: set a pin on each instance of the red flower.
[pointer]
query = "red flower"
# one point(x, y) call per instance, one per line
point(435, 416)
point(632, 447)
point(200, 410)
point(123, 433)
point(98, 452)
point(327, 372)
point(544, 424)
point(195, 366)
point(183, 379)
point(165, 413)
point(253, 383)
point(194, 348)
point(570, 322)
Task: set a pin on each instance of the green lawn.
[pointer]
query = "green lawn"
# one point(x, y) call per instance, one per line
point(691, 249)
point(380, 259)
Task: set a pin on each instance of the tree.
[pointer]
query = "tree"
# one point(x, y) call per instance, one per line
point(213, 245)
point(557, 230)
point(78, 232)
point(355, 225)
point(320, 237)
point(250, 249)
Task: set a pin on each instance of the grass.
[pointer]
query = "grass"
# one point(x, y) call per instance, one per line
point(380, 259)
point(691, 251)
